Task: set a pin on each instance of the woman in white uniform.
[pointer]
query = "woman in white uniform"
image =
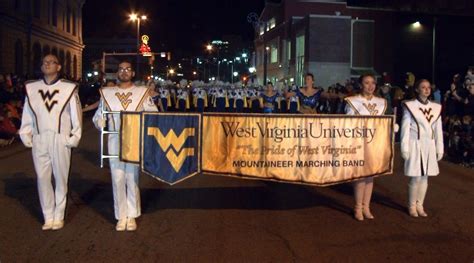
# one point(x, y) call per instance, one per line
point(421, 144)
point(365, 104)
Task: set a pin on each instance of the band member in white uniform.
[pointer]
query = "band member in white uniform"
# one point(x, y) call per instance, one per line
point(51, 125)
point(421, 144)
point(124, 97)
point(365, 104)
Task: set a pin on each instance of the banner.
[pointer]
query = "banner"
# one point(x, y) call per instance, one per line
point(309, 149)
point(170, 144)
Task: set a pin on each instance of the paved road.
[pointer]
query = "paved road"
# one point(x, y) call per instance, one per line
point(221, 219)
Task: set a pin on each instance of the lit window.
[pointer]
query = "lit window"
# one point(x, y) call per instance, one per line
point(262, 29)
point(271, 23)
point(274, 54)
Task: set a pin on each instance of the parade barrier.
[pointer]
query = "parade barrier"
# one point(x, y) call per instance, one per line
point(308, 149)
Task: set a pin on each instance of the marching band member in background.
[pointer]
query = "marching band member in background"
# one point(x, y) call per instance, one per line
point(51, 125)
point(269, 100)
point(165, 96)
point(421, 144)
point(182, 96)
point(240, 102)
point(293, 101)
point(124, 97)
point(199, 96)
point(309, 96)
point(365, 104)
point(221, 102)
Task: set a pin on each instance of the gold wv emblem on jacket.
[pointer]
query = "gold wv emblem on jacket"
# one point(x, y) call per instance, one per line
point(124, 99)
point(371, 108)
point(176, 159)
point(427, 114)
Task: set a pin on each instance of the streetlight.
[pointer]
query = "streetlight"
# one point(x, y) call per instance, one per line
point(209, 47)
point(138, 18)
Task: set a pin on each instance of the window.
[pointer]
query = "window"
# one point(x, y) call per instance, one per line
point(17, 5)
point(262, 29)
point(271, 24)
point(68, 63)
point(74, 25)
point(54, 11)
point(300, 60)
point(288, 50)
point(274, 54)
point(18, 57)
point(68, 20)
point(37, 9)
point(74, 67)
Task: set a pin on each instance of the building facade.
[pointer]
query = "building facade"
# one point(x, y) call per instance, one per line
point(338, 40)
point(29, 29)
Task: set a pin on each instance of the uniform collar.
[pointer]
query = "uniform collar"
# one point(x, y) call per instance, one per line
point(421, 101)
point(52, 82)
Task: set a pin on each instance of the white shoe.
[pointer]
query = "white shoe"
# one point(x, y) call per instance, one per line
point(367, 214)
point(358, 213)
point(412, 211)
point(58, 224)
point(421, 212)
point(121, 225)
point(48, 225)
point(131, 224)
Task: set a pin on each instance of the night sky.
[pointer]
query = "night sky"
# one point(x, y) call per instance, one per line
point(173, 25)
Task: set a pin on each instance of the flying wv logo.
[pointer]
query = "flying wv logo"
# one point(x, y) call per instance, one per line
point(48, 99)
point(371, 108)
point(427, 114)
point(176, 159)
point(124, 99)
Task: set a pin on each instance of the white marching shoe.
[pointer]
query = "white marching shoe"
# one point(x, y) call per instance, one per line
point(412, 211)
point(48, 225)
point(58, 224)
point(121, 225)
point(367, 214)
point(421, 212)
point(131, 224)
point(358, 215)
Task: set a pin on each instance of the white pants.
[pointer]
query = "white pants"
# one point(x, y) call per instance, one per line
point(417, 187)
point(124, 184)
point(51, 156)
point(363, 192)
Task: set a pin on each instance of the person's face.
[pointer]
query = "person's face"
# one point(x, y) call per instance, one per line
point(424, 89)
point(471, 89)
point(368, 85)
point(269, 87)
point(309, 81)
point(125, 72)
point(50, 65)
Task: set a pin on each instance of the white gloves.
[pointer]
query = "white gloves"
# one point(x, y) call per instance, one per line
point(405, 155)
point(396, 128)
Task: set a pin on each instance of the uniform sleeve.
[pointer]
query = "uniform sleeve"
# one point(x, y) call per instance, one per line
point(348, 109)
point(27, 125)
point(405, 133)
point(439, 137)
point(97, 119)
point(76, 120)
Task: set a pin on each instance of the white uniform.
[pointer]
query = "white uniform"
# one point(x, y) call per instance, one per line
point(422, 148)
point(52, 125)
point(360, 105)
point(124, 175)
point(421, 138)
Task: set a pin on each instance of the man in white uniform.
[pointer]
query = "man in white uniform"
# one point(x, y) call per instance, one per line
point(51, 125)
point(124, 97)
